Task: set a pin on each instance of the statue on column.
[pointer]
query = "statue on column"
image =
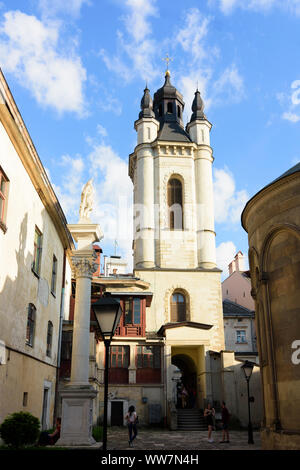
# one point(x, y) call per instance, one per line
point(87, 200)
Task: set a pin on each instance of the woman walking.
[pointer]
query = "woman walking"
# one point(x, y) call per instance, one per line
point(209, 414)
point(131, 418)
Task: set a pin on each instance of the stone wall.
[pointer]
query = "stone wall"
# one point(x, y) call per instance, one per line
point(272, 220)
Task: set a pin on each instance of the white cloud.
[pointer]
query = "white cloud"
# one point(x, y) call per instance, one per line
point(113, 193)
point(136, 21)
point(228, 6)
point(30, 49)
point(101, 130)
point(191, 36)
point(292, 117)
point(113, 201)
point(54, 7)
point(229, 203)
point(69, 190)
point(136, 42)
point(229, 86)
point(225, 254)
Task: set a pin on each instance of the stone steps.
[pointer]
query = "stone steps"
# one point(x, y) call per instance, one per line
point(190, 420)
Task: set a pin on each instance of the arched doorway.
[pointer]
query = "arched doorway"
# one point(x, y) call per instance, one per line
point(188, 378)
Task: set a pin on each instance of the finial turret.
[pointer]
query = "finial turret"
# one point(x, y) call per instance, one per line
point(198, 107)
point(146, 104)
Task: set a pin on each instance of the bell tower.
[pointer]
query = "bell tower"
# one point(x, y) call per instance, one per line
point(171, 169)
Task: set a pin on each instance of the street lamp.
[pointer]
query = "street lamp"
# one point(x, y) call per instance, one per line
point(248, 368)
point(108, 312)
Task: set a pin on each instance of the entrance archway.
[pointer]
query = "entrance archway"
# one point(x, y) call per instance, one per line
point(189, 376)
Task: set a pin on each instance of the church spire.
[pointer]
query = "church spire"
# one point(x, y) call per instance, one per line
point(146, 104)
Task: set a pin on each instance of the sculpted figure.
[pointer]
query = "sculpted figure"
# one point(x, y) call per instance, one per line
point(87, 199)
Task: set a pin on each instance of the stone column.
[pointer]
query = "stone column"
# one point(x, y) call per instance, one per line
point(199, 131)
point(145, 208)
point(77, 397)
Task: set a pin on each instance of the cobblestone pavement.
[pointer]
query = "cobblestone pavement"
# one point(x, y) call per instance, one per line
point(154, 439)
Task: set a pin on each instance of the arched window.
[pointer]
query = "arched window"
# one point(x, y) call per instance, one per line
point(178, 307)
point(30, 324)
point(175, 204)
point(170, 108)
point(49, 338)
point(178, 111)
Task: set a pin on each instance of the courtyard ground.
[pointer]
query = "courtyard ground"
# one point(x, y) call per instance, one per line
point(157, 439)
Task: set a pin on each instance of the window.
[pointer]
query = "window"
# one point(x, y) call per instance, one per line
point(3, 199)
point(132, 311)
point(170, 108)
point(119, 356)
point(175, 204)
point(25, 398)
point(37, 251)
point(178, 111)
point(54, 272)
point(148, 357)
point(148, 362)
point(30, 324)
point(241, 336)
point(49, 338)
point(118, 364)
point(178, 307)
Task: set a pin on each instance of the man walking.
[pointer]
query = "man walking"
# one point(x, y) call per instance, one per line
point(225, 423)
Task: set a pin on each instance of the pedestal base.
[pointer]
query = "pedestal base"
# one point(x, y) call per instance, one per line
point(77, 416)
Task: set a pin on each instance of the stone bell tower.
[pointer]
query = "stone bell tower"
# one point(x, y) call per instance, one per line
point(171, 169)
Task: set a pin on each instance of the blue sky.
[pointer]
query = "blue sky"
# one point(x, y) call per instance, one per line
point(77, 70)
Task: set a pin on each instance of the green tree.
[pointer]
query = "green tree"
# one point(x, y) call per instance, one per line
point(20, 429)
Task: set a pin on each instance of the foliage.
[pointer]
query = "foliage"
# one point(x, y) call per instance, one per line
point(97, 433)
point(20, 429)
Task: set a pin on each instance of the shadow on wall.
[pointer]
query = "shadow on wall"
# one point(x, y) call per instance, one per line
point(236, 395)
point(21, 379)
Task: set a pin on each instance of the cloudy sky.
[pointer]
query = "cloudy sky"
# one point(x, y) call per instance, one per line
point(77, 70)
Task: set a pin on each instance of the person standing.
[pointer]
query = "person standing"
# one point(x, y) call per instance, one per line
point(225, 423)
point(131, 418)
point(209, 414)
point(184, 396)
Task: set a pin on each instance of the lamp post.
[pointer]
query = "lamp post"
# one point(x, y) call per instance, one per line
point(108, 312)
point(248, 368)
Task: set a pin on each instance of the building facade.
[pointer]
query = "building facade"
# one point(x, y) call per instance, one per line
point(237, 286)
point(34, 273)
point(239, 330)
point(272, 220)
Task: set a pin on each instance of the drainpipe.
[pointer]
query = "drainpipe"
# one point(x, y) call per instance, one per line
point(61, 317)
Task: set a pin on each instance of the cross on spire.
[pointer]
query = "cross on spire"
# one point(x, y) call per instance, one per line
point(167, 59)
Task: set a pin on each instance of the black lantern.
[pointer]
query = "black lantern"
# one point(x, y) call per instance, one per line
point(108, 312)
point(248, 368)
